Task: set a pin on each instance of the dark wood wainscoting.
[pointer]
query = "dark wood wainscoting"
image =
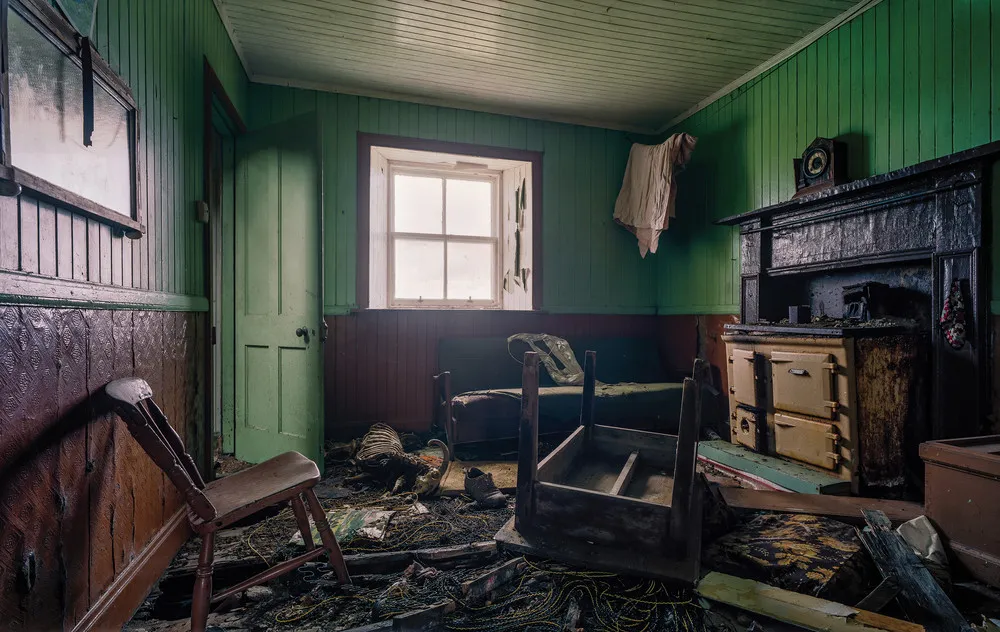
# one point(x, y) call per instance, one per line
point(379, 363)
point(79, 500)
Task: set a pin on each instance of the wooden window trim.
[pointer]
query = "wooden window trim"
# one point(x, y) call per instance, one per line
point(54, 26)
point(365, 143)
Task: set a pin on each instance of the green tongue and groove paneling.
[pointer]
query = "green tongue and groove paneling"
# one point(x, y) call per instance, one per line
point(904, 82)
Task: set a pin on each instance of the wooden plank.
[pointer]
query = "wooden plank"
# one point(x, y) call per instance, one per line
point(962, 76)
point(625, 558)
point(101, 454)
point(527, 455)
point(943, 77)
point(587, 401)
point(425, 620)
point(72, 475)
point(880, 596)
point(927, 138)
point(9, 234)
point(655, 447)
point(127, 453)
point(557, 461)
point(481, 586)
point(681, 504)
point(598, 517)
point(64, 244)
point(621, 484)
point(32, 289)
point(475, 553)
point(810, 613)
point(29, 234)
point(846, 508)
point(46, 239)
point(919, 594)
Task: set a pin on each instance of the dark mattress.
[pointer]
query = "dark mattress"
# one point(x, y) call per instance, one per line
point(493, 414)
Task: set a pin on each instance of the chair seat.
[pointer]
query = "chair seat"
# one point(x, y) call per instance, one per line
point(256, 488)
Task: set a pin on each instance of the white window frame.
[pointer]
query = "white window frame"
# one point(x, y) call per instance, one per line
point(495, 239)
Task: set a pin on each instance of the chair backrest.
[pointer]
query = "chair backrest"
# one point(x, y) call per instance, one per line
point(133, 401)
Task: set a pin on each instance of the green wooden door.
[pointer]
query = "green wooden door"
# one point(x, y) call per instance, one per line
point(278, 292)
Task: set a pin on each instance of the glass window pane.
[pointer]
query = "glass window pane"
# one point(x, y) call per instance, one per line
point(419, 269)
point(470, 271)
point(470, 207)
point(46, 120)
point(417, 204)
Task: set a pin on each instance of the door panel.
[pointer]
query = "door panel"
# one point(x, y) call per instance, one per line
point(744, 363)
point(803, 383)
point(279, 399)
point(807, 440)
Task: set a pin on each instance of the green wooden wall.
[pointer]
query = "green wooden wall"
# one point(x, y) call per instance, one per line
point(158, 48)
point(906, 81)
point(590, 265)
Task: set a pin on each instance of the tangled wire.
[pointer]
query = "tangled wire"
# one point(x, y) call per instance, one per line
point(444, 524)
point(617, 604)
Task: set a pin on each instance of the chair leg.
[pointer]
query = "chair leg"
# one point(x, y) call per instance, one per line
point(303, 521)
point(329, 540)
point(202, 597)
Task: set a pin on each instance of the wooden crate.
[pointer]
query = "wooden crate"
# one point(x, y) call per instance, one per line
point(609, 498)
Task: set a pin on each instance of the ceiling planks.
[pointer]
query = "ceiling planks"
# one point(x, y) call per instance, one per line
point(623, 64)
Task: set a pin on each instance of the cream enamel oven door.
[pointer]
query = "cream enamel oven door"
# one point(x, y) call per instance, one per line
point(744, 376)
point(803, 383)
point(806, 440)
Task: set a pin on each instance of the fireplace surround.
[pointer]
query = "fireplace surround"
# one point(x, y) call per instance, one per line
point(906, 242)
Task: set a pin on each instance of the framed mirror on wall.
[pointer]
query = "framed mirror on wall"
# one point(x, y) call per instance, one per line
point(69, 122)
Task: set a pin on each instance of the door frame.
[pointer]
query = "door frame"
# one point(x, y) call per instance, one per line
point(213, 93)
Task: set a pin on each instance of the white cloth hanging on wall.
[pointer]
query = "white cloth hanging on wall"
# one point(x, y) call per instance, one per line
point(646, 201)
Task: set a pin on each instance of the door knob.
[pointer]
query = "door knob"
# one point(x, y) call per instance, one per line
point(303, 332)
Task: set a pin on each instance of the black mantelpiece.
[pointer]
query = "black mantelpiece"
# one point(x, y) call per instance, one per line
point(926, 217)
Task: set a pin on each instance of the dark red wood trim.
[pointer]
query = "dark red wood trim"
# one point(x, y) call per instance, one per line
point(125, 594)
point(366, 141)
point(212, 87)
point(536, 232)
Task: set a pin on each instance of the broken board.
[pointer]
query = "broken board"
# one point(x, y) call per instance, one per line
point(805, 611)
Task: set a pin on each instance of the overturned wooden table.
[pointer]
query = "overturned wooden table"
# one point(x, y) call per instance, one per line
point(608, 498)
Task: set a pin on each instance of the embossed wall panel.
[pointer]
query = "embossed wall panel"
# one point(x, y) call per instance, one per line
point(78, 498)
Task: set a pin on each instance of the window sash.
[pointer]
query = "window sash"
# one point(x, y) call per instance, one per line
point(445, 173)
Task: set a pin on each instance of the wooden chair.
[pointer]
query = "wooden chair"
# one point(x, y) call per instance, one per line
point(284, 479)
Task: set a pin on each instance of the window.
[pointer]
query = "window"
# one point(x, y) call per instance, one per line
point(448, 231)
point(45, 117)
point(443, 237)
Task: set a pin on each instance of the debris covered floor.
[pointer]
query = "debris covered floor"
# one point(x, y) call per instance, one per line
point(408, 554)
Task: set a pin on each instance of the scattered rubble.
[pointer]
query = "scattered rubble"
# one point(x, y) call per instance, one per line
point(433, 563)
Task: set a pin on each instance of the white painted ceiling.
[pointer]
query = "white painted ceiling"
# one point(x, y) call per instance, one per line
point(626, 64)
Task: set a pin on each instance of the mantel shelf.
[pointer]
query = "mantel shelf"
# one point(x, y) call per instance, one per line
point(834, 195)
